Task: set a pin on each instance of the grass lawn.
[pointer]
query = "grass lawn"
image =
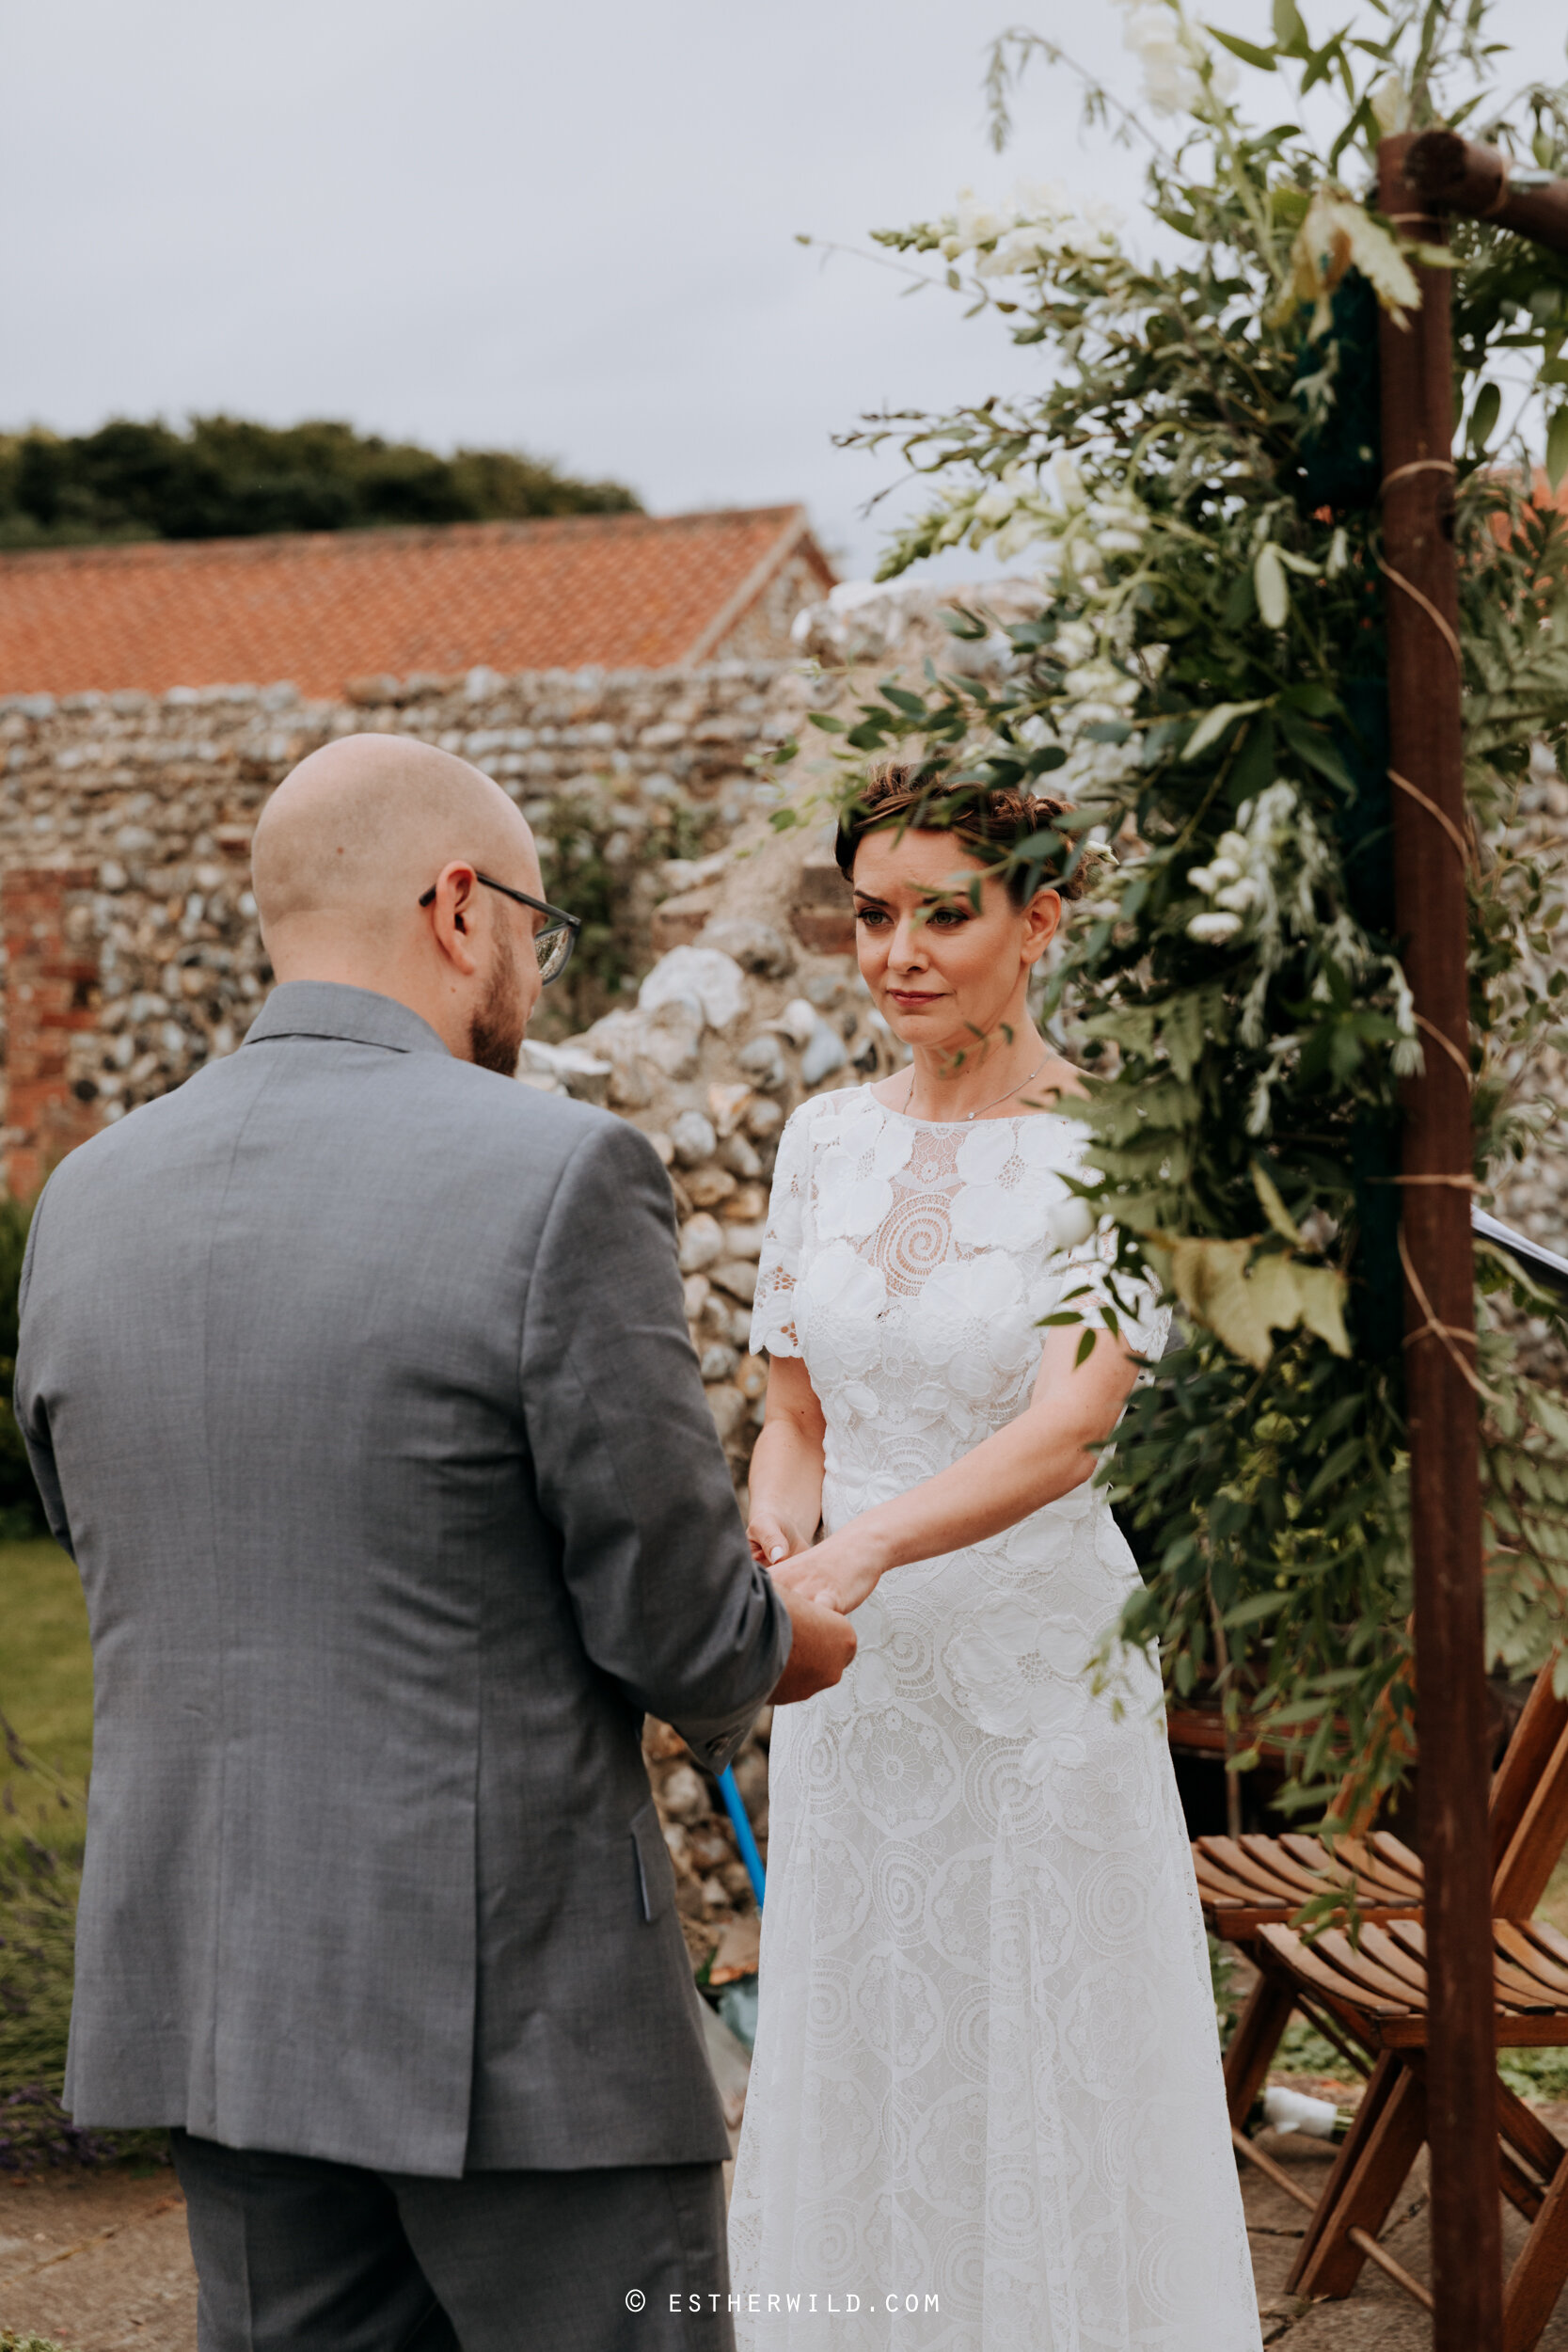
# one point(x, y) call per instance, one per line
point(45, 1662)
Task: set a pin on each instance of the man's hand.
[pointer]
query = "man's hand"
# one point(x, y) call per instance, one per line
point(823, 1645)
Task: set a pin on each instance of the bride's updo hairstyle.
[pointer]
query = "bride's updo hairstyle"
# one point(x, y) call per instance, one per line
point(994, 826)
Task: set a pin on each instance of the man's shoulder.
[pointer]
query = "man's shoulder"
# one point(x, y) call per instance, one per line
point(490, 1122)
point(555, 1130)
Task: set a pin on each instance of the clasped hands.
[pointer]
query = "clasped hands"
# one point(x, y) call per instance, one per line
point(838, 1573)
point(819, 1584)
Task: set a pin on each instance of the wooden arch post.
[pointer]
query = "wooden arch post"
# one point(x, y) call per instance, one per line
point(1421, 179)
point(1427, 769)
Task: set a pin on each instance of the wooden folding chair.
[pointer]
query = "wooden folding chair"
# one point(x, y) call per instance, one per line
point(1253, 1883)
point(1249, 1884)
point(1374, 1993)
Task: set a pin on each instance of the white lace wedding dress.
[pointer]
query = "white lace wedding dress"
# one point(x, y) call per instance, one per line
point(986, 2108)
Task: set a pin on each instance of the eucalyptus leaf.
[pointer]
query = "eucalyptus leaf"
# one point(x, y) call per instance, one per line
point(1271, 586)
point(1556, 448)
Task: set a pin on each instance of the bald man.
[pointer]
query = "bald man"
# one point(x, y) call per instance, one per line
point(356, 1378)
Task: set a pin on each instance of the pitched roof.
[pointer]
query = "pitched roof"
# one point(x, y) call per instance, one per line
point(325, 608)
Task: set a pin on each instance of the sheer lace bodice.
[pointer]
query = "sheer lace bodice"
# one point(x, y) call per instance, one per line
point(987, 2070)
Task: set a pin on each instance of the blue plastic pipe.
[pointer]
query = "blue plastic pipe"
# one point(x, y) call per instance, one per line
point(735, 1805)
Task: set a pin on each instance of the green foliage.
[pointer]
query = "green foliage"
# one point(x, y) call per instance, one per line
point(21, 1511)
point(225, 477)
point(40, 1879)
point(1204, 686)
point(597, 852)
point(1535, 2073)
point(1304, 2051)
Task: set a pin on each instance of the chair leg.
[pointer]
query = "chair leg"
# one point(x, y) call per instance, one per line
point(1372, 2168)
point(1536, 2278)
point(1256, 2039)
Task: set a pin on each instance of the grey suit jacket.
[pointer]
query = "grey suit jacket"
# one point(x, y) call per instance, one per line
point(357, 1381)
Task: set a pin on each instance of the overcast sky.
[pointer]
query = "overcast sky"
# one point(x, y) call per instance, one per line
point(569, 230)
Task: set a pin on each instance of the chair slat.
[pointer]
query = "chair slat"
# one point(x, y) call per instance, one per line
point(1519, 1988)
point(1542, 1932)
point(1304, 1962)
point(1399, 1859)
point(1239, 1864)
point(1364, 1971)
point(1517, 1945)
point(1216, 1885)
point(1314, 1855)
point(1380, 1945)
point(1536, 1736)
point(1531, 1853)
point(1268, 1855)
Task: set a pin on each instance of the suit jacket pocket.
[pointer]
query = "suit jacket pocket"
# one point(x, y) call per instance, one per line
point(656, 1873)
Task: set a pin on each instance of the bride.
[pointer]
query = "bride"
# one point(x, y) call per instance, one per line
point(986, 2108)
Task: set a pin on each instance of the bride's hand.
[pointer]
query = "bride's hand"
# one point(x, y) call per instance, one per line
point(840, 1572)
point(773, 1540)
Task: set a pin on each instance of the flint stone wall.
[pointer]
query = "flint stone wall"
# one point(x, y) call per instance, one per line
point(150, 802)
point(132, 956)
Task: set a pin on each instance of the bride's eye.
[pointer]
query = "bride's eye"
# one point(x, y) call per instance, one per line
point(870, 915)
point(949, 915)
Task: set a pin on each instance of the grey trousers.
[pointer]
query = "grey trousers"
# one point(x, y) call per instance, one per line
point(295, 2255)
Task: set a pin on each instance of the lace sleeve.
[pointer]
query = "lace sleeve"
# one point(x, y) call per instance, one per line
point(1092, 1285)
point(773, 1311)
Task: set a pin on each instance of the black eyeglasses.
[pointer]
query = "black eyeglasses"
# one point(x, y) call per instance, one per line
point(553, 945)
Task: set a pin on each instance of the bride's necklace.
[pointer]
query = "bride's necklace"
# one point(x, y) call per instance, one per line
point(970, 1116)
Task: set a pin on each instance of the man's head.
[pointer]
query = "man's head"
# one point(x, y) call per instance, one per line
point(346, 848)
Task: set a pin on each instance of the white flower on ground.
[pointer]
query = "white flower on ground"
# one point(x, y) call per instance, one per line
point(1212, 930)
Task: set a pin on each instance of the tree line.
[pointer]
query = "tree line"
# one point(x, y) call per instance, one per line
point(225, 477)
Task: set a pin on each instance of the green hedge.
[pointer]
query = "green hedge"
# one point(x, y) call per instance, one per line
point(21, 1511)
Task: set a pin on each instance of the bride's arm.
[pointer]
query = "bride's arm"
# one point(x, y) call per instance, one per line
point(1045, 1452)
point(786, 1478)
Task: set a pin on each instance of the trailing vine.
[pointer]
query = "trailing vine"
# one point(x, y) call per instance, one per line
point(1194, 479)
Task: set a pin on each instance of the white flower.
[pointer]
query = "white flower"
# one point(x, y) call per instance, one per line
point(1390, 102)
point(1072, 1221)
point(1075, 642)
point(1212, 930)
point(1240, 896)
point(1035, 229)
point(1171, 58)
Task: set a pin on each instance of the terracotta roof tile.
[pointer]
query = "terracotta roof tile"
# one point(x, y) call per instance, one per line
point(614, 591)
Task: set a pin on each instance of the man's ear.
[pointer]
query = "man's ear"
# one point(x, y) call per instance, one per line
point(452, 901)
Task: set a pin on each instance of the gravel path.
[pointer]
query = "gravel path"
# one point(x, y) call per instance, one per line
point(100, 2263)
point(97, 2263)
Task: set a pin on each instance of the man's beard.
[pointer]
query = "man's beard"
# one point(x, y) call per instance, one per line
point(496, 1032)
